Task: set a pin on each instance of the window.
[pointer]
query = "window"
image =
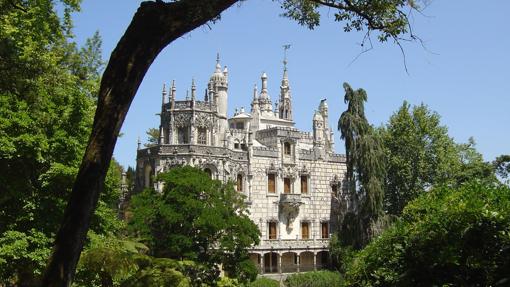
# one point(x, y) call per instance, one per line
point(243, 147)
point(286, 148)
point(272, 230)
point(202, 136)
point(240, 182)
point(325, 229)
point(305, 230)
point(304, 184)
point(271, 183)
point(286, 185)
point(240, 126)
point(236, 145)
point(182, 135)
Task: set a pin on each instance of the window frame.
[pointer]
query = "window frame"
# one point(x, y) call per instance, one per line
point(307, 224)
point(325, 224)
point(272, 236)
point(271, 177)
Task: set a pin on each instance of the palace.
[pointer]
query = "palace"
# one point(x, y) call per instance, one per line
point(291, 179)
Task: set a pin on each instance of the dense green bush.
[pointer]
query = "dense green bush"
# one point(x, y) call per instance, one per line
point(447, 237)
point(314, 279)
point(264, 282)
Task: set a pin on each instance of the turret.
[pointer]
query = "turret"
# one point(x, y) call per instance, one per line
point(218, 85)
point(285, 109)
point(264, 99)
point(318, 129)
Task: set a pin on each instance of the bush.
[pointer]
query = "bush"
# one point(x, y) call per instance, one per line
point(264, 282)
point(314, 279)
point(447, 237)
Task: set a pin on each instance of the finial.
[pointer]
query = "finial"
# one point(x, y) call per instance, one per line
point(139, 142)
point(264, 83)
point(218, 66)
point(163, 94)
point(172, 91)
point(255, 91)
point(285, 48)
point(206, 96)
point(187, 95)
point(217, 58)
point(193, 89)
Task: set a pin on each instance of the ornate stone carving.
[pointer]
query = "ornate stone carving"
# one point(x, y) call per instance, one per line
point(203, 120)
point(182, 119)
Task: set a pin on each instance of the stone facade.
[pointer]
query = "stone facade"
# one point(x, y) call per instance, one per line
point(291, 179)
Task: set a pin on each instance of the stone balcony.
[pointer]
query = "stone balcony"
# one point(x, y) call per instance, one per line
point(290, 199)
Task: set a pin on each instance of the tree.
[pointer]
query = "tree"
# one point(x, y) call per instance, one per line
point(420, 154)
point(153, 27)
point(365, 170)
point(48, 92)
point(195, 218)
point(502, 167)
point(152, 137)
point(446, 237)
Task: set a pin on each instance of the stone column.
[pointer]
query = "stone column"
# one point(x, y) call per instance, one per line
point(279, 263)
point(298, 261)
point(315, 261)
point(262, 263)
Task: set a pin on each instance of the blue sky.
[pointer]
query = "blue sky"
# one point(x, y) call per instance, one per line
point(463, 74)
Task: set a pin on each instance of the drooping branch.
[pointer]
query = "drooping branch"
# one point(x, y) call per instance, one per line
point(153, 27)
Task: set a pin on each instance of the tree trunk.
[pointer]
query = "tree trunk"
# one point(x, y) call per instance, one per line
point(153, 27)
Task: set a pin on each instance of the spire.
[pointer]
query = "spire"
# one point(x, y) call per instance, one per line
point(218, 66)
point(264, 84)
point(193, 89)
point(255, 101)
point(206, 96)
point(139, 142)
point(172, 91)
point(285, 108)
point(163, 95)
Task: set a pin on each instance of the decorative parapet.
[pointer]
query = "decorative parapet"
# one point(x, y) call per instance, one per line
point(333, 157)
point(186, 105)
point(265, 152)
point(193, 150)
point(292, 244)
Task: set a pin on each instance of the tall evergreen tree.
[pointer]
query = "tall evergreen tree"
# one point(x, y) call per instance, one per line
point(365, 170)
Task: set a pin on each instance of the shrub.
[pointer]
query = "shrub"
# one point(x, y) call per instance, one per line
point(314, 279)
point(264, 282)
point(447, 237)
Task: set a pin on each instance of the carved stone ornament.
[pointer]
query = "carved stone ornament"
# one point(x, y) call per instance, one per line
point(203, 120)
point(182, 119)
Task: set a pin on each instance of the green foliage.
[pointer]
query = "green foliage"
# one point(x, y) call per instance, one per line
point(446, 237)
point(502, 166)
point(264, 282)
point(159, 272)
point(388, 18)
point(341, 255)
point(314, 279)
point(420, 154)
point(22, 256)
point(365, 170)
point(196, 218)
point(108, 260)
point(152, 137)
point(47, 101)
